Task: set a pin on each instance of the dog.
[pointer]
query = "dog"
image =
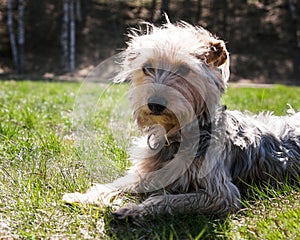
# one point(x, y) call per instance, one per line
point(195, 156)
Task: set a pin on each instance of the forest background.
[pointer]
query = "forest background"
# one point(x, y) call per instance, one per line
point(65, 39)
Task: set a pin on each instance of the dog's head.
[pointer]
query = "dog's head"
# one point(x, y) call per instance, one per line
point(177, 73)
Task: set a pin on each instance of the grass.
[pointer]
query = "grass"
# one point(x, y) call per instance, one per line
point(39, 161)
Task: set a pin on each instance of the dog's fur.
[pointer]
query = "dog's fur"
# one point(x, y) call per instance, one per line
point(196, 156)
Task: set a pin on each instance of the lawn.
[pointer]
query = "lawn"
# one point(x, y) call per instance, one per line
point(40, 159)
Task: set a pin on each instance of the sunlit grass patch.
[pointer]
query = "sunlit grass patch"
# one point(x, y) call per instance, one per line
point(39, 161)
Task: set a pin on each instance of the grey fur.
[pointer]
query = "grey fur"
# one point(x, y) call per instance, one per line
point(198, 156)
point(262, 149)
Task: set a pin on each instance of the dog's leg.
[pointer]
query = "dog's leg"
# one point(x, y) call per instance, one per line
point(102, 194)
point(220, 203)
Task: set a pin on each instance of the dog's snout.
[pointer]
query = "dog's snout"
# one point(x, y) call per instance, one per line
point(157, 104)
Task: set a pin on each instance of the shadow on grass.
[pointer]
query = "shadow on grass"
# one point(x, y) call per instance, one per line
point(167, 227)
point(197, 226)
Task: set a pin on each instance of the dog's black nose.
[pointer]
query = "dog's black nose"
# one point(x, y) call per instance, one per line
point(157, 104)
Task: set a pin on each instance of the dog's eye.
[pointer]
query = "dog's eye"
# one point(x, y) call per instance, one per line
point(183, 70)
point(148, 69)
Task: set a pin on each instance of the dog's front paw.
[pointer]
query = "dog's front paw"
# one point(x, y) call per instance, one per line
point(98, 195)
point(80, 198)
point(131, 212)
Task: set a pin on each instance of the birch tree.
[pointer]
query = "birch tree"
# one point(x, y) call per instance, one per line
point(12, 38)
point(68, 36)
point(21, 36)
point(72, 36)
point(65, 37)
point(17, 47)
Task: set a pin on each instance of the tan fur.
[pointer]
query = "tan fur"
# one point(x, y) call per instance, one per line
point(195, 155)
point(189, 68)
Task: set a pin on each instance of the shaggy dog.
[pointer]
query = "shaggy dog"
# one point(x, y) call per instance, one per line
point(195, 156)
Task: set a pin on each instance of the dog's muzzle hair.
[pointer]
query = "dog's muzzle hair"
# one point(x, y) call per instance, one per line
point(196, 155)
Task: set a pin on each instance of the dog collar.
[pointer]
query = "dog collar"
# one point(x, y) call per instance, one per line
point(156, 141)
point(166, 140)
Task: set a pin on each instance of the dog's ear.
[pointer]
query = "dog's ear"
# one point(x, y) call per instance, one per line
point(216, 54)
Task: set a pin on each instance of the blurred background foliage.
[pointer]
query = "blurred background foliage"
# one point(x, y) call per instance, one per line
point(263, 36)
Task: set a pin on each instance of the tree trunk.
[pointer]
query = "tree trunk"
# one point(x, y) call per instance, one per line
point(293, 11)
point(153, 8)
point(164, 6)
point(65, 37)
point(21, 38)
point(293, 28)
point(199, 11)
point(78, 11)
point(84, 10)
point(224, 20)
point(72, 37)
point(13, 45)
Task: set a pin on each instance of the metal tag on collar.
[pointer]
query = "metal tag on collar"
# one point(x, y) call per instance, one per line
point(153, 145)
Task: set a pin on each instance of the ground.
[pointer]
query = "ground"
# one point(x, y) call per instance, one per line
point(39, 161)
